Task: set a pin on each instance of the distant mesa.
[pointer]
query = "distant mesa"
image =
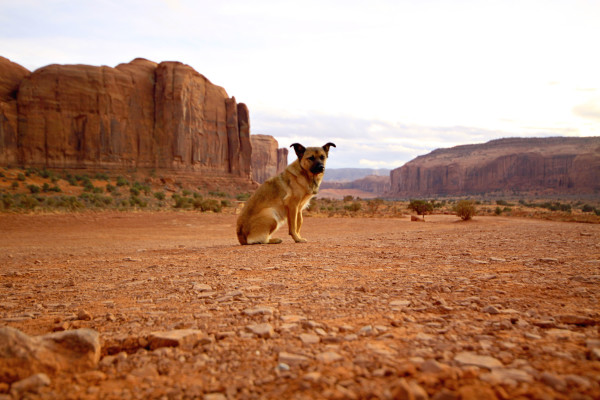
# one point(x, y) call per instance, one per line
point(543, 166)
point(137, 115)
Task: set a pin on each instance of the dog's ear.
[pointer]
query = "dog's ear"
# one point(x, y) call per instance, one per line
point(299, 149)
point(326, 147)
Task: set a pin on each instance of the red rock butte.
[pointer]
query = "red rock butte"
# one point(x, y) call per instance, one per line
point(555, 165)
point(141, 114)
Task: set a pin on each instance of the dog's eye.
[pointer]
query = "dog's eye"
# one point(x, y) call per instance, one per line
point(311, 158)
point(322, 158)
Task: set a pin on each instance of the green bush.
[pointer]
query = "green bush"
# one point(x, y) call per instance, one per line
point(34, 189)
point(122, 181)
point(21, 177)
point(465, 209)
point(421, 207)
point(243, 196)
point(159, 195)
point(353, 207)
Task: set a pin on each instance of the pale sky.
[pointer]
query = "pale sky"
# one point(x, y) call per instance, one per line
point(385, 81)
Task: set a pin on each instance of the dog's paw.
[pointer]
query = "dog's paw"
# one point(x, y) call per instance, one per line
point(275, 241)
point(300, 240)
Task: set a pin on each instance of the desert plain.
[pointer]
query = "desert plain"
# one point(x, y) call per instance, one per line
point(368, 308)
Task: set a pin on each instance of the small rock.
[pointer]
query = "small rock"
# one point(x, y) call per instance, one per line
point(84, 315)
point(490, 310)
point(433, 367)
point(283, 367)
point(572, 319)
point(292, 359)
point(468, 358)
point(201, 287)
point(215, 396)
point(308, 338)
point(554, 381)
point(258, 311)
point(409, 390)
point(31, 384)
point(399, 303)
point(595, 354)
point(329, 357)
point(177, 337)
point(261, 330)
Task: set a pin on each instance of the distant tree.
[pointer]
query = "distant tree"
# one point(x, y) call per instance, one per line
point(421, 207)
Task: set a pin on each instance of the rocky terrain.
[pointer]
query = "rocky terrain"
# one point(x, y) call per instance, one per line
point(167, 305)
point(541, 166)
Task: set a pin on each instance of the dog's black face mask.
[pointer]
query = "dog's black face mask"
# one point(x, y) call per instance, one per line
point(312, 159)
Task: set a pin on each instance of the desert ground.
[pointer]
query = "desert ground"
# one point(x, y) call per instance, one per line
point(368, 308)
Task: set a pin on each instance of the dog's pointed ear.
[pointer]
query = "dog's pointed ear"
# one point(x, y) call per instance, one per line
point(299, 149)
point(326, 147)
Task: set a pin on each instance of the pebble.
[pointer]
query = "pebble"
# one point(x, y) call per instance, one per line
point(572, 319)
point(308, 338)
point(329, 357)
point(177, 337)
point(31, 384)
point(258, 311)
point(292, 359)
point(409, 390)
point(84, 315)
point(554, 381)
point(468, 358)
point(490, 310)
point(264, 330)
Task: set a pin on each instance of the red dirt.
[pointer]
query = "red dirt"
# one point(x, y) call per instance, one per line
point(378, 307)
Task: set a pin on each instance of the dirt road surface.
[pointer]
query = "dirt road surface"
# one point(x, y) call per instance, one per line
point(368, 308)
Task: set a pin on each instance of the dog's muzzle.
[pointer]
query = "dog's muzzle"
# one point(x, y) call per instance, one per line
point(317, 168)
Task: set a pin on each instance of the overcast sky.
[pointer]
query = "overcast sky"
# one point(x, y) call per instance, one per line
point(384, 80)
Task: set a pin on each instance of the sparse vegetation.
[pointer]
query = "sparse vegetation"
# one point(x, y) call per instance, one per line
point(421, 207)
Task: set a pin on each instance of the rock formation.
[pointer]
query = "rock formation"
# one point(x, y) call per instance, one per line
point(11, 75)
point(267, 159)
point(527, 165)
point(136, 115)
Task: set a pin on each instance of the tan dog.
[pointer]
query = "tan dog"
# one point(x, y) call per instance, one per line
point(283, 197)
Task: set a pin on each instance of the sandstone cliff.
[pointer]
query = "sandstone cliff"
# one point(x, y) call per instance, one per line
point(533, 165)
point(267, 159)
point(136, 115)
point(11, 75)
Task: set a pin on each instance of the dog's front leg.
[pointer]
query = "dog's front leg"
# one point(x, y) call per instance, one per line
point(293, 224)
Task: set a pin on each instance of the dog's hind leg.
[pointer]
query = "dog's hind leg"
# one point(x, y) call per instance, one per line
point(262, 227)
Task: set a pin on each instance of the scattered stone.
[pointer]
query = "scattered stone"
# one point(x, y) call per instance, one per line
point(433, 367)
point(308, 338)
point(399, 303)
point(490, 310)
point(572, 319)
point(202, 287)
point(595, 354)
point(177, 338)
point(468, 358)
point(31, 384)
point(84, 315)
point(554, 381)
point(409, 390)
point(23, 355)
point(476, 392)
point(329, 357)
point(507, 376)
point(261, 330)
point(283, 367)
point(292, 359)
point(259, 311)
point(215, 396)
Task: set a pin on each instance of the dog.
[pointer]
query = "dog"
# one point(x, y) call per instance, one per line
point(283, 197)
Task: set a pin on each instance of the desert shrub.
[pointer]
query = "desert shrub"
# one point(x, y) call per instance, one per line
point(421, 207)
point(101, 176)
point(2, 175)
point(186, 192)
point(134, 191)
point(71, 179)
point(182, 202)
point(34, 188)
point(110, 188)
point(353, 207)
point(587, 208)
point(218, 194)
point(7, 201)
point(136, 201)
point(465, 209)
point(503, 203)
point(226, 203)
point(28, 202)
point(243, 196)
point(122, 181)
point(374, 205)
point(210, 205)
point(88, 186)
point(498, 210)
point(159, 195)
point(21, 177)
point(348, 198)
point(15, 185)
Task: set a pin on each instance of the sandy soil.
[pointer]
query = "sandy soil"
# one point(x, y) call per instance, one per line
point(368, 308)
